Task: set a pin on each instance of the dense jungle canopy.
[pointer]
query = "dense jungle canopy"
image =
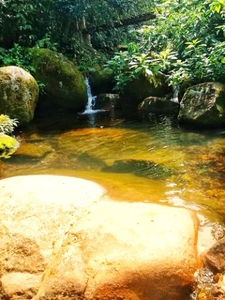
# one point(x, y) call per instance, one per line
point(181, 39)
point(27, 21)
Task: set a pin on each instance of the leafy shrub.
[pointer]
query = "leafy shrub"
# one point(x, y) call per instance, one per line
point(16, 56)
point(185, 42)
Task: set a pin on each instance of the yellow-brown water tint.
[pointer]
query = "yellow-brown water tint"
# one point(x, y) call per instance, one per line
point(33, 150)
point(198, 163)
point(125, 187)
point(197, 159)
point(106, 143)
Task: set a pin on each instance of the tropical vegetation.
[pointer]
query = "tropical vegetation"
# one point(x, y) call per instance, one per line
point(183, 40)
point(186, 43)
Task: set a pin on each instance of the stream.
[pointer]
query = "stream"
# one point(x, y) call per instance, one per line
point(155, 162)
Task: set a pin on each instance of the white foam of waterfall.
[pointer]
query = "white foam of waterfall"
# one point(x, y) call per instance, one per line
point(91, 100)
point(176, 90)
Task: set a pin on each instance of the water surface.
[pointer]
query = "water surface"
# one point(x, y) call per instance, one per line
point(156, 161)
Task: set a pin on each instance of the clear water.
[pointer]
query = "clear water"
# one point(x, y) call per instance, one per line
point(155, 161)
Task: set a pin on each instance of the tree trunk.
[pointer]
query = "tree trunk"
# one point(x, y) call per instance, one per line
point(129, 21)
point(86, 37)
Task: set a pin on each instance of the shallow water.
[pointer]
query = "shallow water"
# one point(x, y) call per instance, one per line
point(153, 161)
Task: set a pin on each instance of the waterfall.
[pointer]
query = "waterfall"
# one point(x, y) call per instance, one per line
point(176, 90)
point(91, 99)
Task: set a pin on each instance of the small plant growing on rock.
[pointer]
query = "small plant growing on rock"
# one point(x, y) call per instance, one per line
point(7, 125)
point(8, 144)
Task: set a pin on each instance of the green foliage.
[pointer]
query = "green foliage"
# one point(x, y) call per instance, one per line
point(46, 42)
point(8, 144)
point(131, 64)
point(185, 42)
point(27, 21)
point(16, 56)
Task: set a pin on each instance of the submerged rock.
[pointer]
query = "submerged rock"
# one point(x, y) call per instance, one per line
point(18, 94)
point(203, 105)
point(60, 240)
point(34, 150)
point(142, 168)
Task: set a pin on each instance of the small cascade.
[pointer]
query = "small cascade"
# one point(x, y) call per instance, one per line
point(176, 90)
point(91, 100)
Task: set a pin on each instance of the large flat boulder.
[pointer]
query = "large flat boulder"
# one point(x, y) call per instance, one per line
point(61, 238)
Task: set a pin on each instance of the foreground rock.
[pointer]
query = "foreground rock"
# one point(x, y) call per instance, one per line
point(203, 105)
point(18, 94)
point(60, 240)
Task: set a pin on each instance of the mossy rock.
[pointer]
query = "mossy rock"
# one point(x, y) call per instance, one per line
point(158, 106)
point(63, 82)
point(18, 94)
point(139, 89)
point(8, 145)
point(101, 81)
point(203, 105)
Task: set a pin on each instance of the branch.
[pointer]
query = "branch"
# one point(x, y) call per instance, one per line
point(125, 22)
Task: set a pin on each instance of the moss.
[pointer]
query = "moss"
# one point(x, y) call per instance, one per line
point(8, 145)
point(18, 94)
point(63, 82)
point(102, 81)
point(220, 103)
point(204, 105)
point(139, 89)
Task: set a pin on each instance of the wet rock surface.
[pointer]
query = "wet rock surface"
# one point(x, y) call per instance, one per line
point(19, 93)
point(215, 257)
point(208, 286)
point(203, 105)
point(62, 238)
point(158, 106)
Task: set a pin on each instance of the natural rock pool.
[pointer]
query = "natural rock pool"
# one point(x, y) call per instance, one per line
point(155, 162)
